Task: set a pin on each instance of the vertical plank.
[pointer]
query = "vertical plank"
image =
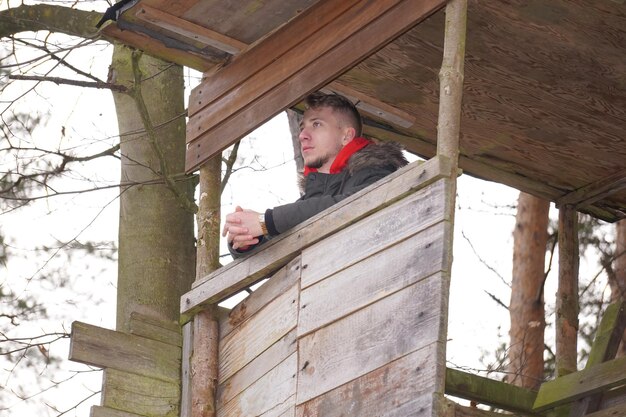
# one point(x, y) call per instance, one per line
point(371, 337)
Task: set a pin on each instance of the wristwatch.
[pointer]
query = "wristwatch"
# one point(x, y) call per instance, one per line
point(262, 222)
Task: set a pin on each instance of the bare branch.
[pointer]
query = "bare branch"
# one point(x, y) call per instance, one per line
point(229, 165)
point(58, 81)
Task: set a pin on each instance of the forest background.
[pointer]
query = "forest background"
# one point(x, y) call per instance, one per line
point(61, 184)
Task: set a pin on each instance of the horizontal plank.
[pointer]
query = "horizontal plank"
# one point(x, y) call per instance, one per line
point(240, 274)
point(280, 282)
point(581, 384)
point(314, 75)
point(140, 395)
point(276, 71)
point(106, 348)
point(258, 367)
point(188, 30)
point(166, 332)
point(266, 51)
point(374, 233)
point(99, 411)
point(355, 345)
point(258, 333)
point(372, 279)
point(273, 389)
point(403, 385)
point(489, 391)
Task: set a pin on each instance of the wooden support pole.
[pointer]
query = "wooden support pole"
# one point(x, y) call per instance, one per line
point(567, 293)
point(451, 81)
point(205, 333)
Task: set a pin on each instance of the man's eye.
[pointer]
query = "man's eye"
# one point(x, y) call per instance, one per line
point(316, 124)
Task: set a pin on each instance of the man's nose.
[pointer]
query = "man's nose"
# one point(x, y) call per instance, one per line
point(303, 135)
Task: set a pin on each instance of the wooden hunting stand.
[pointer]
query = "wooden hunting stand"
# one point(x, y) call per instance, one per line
point(343, 332)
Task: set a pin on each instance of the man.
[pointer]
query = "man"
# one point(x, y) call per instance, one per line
point(338, 163)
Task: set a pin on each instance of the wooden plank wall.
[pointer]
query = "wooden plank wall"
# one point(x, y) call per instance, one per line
point(354, 326)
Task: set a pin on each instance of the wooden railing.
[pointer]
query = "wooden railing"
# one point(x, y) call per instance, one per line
point(242, 273)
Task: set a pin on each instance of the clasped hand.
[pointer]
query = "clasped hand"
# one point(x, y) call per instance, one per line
point(242, 228)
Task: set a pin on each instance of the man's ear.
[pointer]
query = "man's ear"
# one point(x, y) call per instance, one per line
point(349, 134)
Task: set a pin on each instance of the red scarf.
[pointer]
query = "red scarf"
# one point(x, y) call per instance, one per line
point(341, 160)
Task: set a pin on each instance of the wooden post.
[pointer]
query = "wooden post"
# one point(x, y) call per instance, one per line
point(205, 334)
point(451, 82)
point(567, 293)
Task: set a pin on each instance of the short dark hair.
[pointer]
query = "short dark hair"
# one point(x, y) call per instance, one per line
point(339, 104)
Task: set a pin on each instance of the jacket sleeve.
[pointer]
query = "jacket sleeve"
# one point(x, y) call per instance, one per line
point(282, 218)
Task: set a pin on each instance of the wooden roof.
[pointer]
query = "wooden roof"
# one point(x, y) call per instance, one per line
point(544, 107)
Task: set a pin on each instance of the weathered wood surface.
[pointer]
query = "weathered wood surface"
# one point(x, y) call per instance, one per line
point(140, 395)
point(166, 332)
point(106, 348)
point(372, 279)
point(490, 392)
point(268, 393)
point(258, 57)
point(371, 337)
point(346, 17)
point(580, 384)
point(99, 411)
point(403, 387)
point(208, 140)
point(382, 229)
point(278, 284)
point(240, 274)
point(258, 367)
point(257, 334)
point(192, 33)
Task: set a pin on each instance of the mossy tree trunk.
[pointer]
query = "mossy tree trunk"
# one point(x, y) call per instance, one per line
point(156, 247)
point(527, 303)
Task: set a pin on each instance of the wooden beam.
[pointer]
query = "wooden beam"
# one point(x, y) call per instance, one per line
point(304, 54)
point(240, 274)
point(577, 385)
point(490, 392)
point(591, 193)
point(297, 74)
point(266, 51)
point(371, 105)
point(145, 326)
point(188, 30)
point(106, 348)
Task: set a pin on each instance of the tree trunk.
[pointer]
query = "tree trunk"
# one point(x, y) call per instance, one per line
point(156, 248)
point(527, 305)
point(618, 281)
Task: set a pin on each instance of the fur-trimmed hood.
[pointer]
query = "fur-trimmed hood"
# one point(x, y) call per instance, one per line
point(377, 155)
point(374, 155)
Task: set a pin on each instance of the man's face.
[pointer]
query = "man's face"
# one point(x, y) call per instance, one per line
point(322, 136)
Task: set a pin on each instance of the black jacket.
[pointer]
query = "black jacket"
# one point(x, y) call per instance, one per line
point(321, 191)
